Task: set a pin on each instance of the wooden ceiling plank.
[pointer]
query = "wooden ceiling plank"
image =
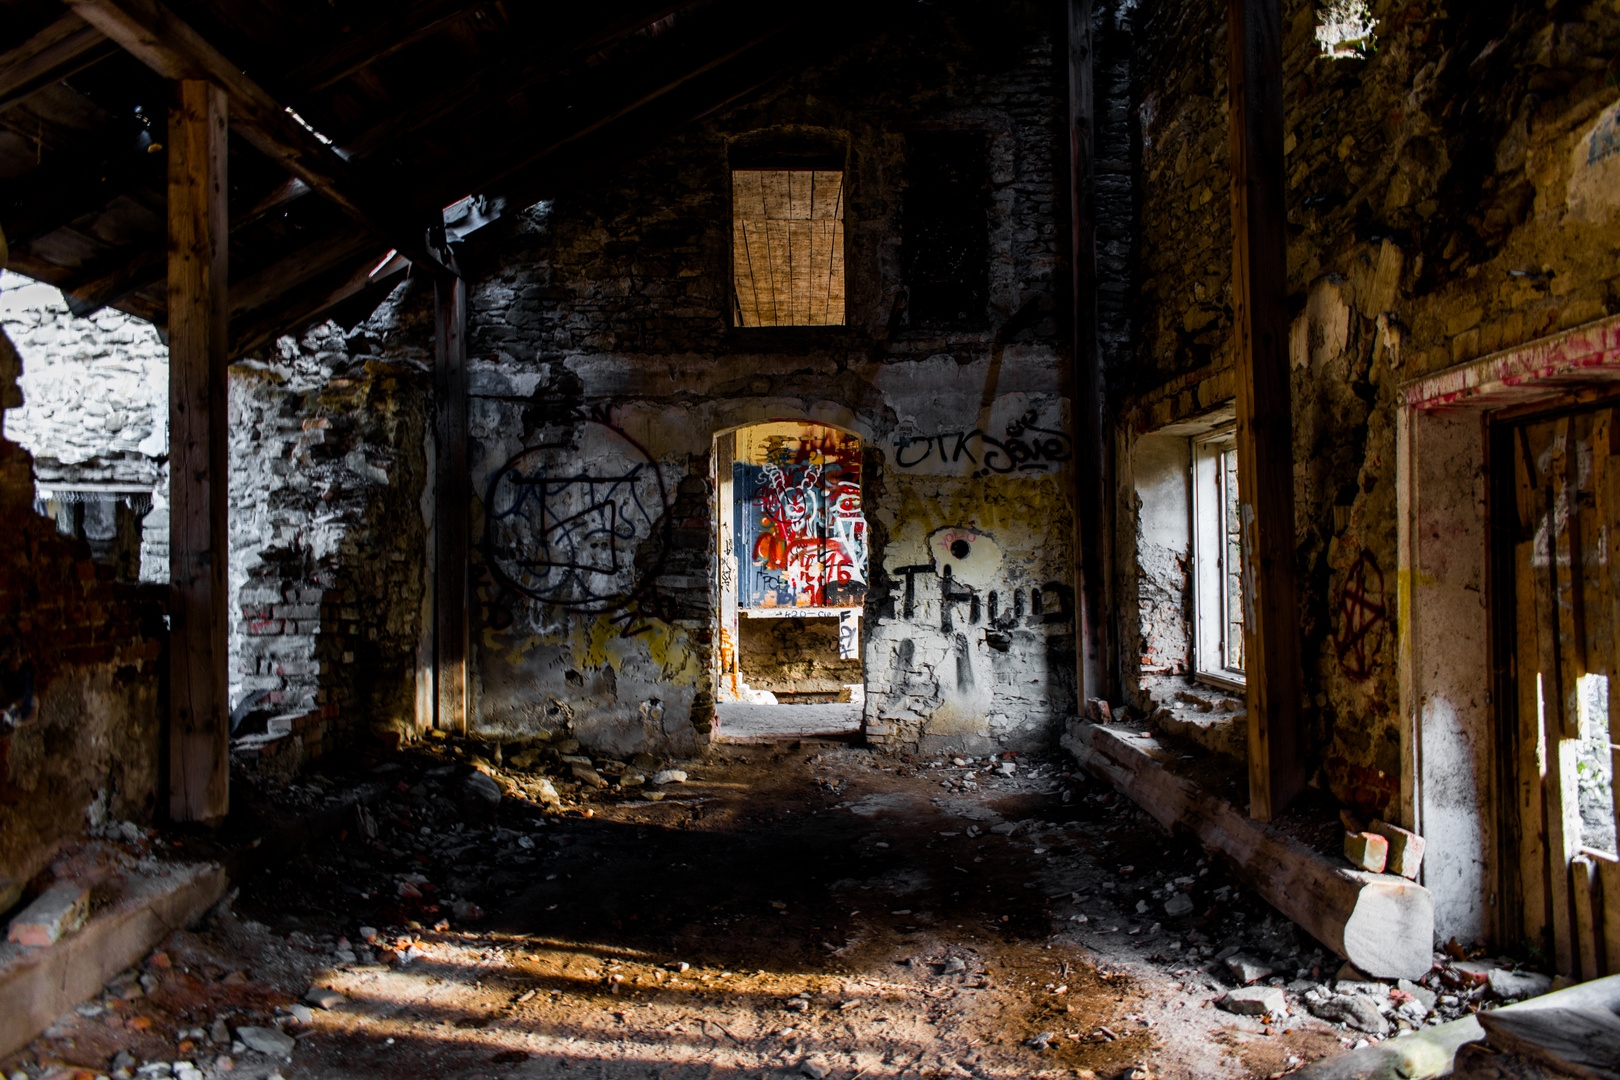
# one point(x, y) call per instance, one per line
point(364, 46)
point(168, 45)
point(503, 79)
point(65, 47)
point(299, 267)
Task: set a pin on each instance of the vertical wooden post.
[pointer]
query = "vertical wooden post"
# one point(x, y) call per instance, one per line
point(452, 502)
point(1264, 408)
point(199, 223)
point(1090, 459)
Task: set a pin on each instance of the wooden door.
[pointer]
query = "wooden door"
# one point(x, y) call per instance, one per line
point(1567, 875)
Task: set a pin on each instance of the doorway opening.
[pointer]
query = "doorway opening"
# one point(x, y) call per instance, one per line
point(792, 579)
point(1558, 509)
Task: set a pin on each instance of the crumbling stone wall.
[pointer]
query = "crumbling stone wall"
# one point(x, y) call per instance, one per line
point(328, 534)
point(604, 363)
point(80, 663)
point(1429, 223)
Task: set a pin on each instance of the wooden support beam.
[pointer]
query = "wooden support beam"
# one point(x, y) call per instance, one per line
point(168, 45)
point(1089, 402)
point(452, 502)
point(66, 46)
point(199, 714)
point(1265, 430)
point(1381, 923)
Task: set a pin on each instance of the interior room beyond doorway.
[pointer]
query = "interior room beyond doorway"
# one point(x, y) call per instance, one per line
point(792, 582)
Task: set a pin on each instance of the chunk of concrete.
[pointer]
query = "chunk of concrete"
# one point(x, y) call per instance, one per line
point(1246, 969)
point(1353, 1010)
point(1405, 849)
point(59, 911)
point(1518, 985)
point(1255, 1001)
point(267, 1041)
point(1366, 851)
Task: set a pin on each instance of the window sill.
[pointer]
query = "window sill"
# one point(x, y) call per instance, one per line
point(1221, 682)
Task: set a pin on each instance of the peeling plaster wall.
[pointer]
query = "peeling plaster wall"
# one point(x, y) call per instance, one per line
point(603, 365)
point(1429, 223)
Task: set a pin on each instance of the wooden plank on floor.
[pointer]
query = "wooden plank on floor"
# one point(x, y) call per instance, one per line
point(199, 228)
point(1277, 769)
point(452, 500)
point(1381, 923)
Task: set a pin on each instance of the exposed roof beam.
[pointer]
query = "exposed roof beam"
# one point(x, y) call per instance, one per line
point(365, 45)
point(44, 203)
point(490, 175)
point(131, 274)
point(66, 46)
point(505, 78)
point(168, 45)
point(307, 262)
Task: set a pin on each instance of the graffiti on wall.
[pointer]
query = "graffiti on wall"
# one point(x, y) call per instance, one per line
point(1023, 446)
point(1361, 618)
point(590, 541)
point(801, 533)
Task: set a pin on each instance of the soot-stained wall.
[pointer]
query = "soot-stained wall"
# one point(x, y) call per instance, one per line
point(1429, 223)
point(604, 363)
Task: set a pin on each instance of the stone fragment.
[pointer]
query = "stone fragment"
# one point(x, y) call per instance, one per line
point(1366, 851)
point(1354, 1011)
point(1420, 993)
point(668, 776)
point(565, 746)
point(481, 788)
point(322, 998)
point(1405, 849)
point(524, 759)
point(1518, 985)
point(1178, 905)
point(1255, 1001)
point(1005, 828)
point(644, 762)
point(652, 796)
point(266, 1041)
point(59, 911)
point(814, 1069)
point(545, 792)
point(1041, 1041)
point(300, 1012)
point(1246, 969)
point(466, 911)
point(587, 775)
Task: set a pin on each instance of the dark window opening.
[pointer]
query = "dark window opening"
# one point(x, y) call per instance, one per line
point(945, 239)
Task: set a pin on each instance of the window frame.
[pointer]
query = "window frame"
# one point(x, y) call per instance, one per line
point(1212, 614)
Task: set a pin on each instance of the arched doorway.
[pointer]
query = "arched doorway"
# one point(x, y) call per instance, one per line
point(792, 579)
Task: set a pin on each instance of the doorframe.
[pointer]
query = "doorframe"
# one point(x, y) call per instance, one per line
point(721, 485)
point(1450, 602)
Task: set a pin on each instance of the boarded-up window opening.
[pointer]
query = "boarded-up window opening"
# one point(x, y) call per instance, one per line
point(788, 246)
point(945, 249)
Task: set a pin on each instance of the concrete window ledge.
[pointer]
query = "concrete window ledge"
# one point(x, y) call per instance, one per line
point(40, 983)
point(1381, 923)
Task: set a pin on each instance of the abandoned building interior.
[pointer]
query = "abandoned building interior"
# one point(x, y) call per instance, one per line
point(919, 539)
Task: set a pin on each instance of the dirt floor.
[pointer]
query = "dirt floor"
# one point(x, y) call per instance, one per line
point(782, 912)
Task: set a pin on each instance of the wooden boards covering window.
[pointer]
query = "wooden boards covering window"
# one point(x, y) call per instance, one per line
point(787, 240)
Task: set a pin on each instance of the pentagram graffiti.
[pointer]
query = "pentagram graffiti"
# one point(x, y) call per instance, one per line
point(1361, 618)
point(589, 541)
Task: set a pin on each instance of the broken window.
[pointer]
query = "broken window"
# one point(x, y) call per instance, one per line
point(945, 250)
point(1344, 29)
point(787, 239)
point(1217, 559)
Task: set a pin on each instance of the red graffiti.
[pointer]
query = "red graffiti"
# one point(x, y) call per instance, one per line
point(1361, 618)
